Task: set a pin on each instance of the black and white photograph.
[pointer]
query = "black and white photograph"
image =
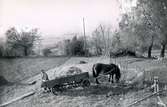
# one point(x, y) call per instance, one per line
point(83, 53)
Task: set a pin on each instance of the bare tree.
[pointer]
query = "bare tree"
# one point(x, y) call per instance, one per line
point(67, 47)
point(102, 39)
point(127, 35)
point(97, 42)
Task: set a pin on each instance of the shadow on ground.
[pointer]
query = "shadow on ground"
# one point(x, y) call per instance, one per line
point(102, 89)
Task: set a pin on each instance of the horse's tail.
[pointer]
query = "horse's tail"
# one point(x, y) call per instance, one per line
point(94, 70)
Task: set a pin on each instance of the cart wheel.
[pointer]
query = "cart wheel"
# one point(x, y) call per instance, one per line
point(85, 83)
point(55, 89)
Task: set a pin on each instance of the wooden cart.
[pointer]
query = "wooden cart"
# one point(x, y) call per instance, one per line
point(71, 81)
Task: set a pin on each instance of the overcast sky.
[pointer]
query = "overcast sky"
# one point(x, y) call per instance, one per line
point(58, 17)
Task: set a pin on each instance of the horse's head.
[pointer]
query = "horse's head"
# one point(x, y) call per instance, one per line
point(118, 74)
point(116, 71)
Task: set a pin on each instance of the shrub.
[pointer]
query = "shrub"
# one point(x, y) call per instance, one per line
point(46, 52)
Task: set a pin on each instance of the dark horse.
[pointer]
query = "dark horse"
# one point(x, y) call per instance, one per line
point(106, 69)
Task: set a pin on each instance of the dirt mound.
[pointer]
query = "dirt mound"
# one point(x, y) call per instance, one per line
point(3, 81)
point(73, 70)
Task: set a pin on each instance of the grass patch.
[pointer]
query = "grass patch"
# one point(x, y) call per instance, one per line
point(23, 68)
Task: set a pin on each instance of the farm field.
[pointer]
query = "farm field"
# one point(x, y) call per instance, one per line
point(103, 95)
point(24, 68)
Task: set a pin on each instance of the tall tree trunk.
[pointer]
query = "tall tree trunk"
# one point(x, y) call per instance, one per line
point(149, 51)
point(162, 54)
point(150, 47)
point(25, 51)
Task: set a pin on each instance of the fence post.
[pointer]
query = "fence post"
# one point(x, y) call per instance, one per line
point(156, 87)
point(156, 90)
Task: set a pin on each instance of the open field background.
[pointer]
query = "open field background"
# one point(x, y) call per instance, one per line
point(103, 95)
point(24, 68)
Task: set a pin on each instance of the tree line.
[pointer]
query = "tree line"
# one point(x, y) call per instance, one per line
point(140, 31)
point(145, 26)
point(19, 43)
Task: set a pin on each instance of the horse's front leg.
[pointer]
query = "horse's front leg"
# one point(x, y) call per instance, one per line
point(112, 78)
point(109, 78)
